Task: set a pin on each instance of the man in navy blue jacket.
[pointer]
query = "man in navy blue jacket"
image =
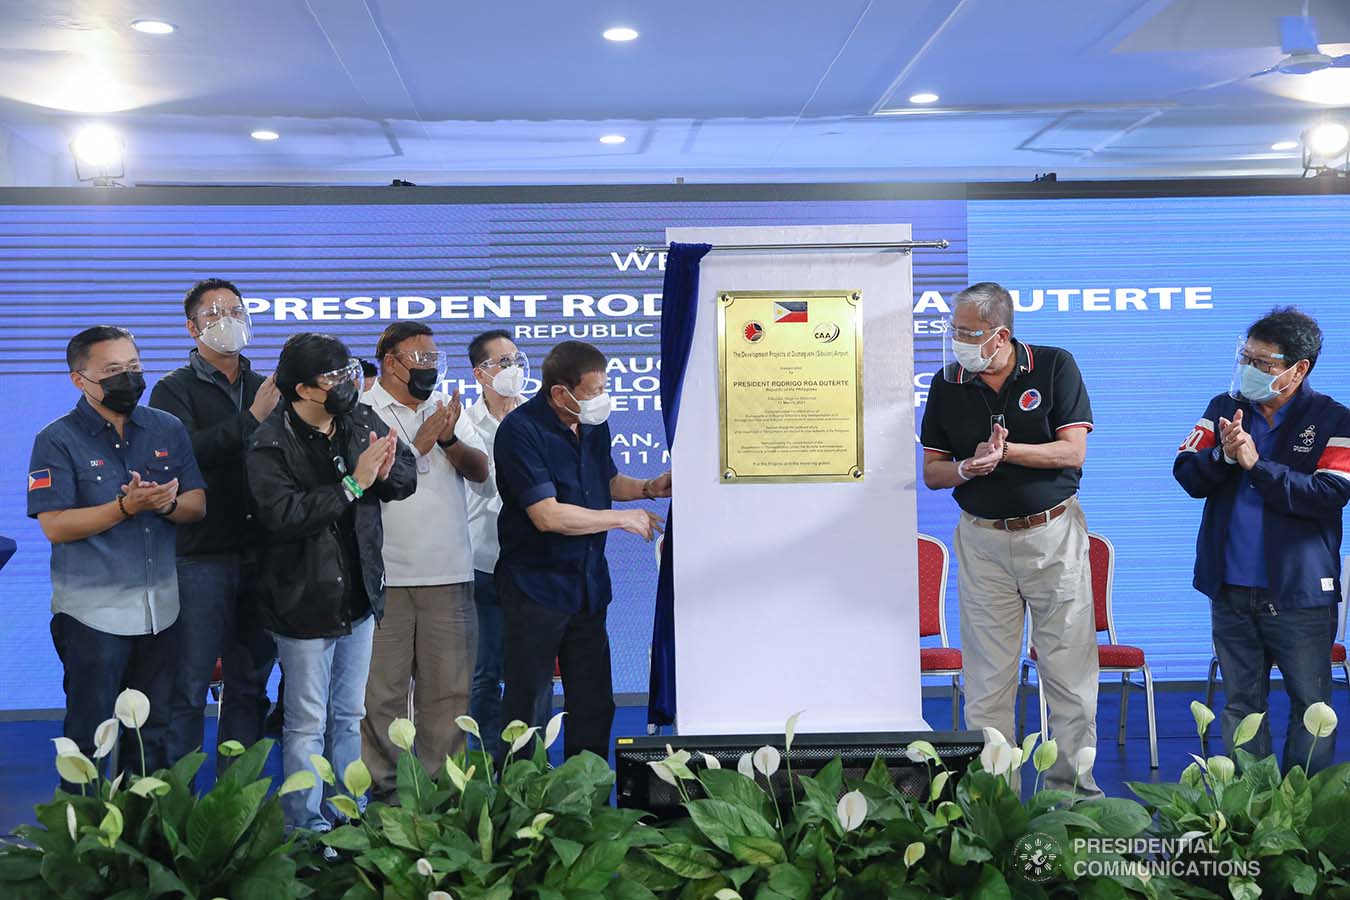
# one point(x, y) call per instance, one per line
point(1271, 460)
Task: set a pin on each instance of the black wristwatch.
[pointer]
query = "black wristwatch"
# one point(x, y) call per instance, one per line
point(446, 445)
point(168, 512)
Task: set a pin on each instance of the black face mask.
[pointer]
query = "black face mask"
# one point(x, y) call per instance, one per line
point(341, 399)
point(421, 382)
point(121, 392)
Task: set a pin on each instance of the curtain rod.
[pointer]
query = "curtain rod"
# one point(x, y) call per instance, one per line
point(905, 246)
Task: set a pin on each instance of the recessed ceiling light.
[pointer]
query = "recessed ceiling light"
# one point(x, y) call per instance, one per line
point(612, 139)
point(153, 26)
point(621, 34)
point(924, 97)
point(263, 134)
point(1284, 145)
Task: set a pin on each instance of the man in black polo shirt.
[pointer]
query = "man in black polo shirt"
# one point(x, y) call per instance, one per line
point(557, 481)
point(1006, 426)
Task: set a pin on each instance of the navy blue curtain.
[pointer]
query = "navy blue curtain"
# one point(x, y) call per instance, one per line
point(679, 314)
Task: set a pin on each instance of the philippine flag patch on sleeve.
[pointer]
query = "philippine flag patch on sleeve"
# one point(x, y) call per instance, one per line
point(42, 478)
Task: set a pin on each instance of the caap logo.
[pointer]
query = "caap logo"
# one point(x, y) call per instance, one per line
point(1029, 400)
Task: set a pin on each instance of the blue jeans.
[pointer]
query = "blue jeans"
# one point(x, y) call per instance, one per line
point(98, 666)
point(1250, 636)
point(325, 703)
point(219, 620)
point(485, 701)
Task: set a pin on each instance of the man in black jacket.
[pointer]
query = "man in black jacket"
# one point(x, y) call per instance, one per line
point(318, 469)
point(220, 400)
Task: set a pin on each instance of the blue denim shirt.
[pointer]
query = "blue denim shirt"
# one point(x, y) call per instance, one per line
point(1245, 553)
point(121, 581)
point(538, 457)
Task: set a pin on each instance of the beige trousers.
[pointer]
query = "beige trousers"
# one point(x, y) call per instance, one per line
point(1001, 576)
point(426, 643)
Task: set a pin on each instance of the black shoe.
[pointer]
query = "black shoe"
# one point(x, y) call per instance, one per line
point(275, 719)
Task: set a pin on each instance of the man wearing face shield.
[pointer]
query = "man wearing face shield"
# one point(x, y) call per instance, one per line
point(110, 483)
point(557, 481)
point(1271, 460)
point(501, 370)
point(1006, 428)
point(220, 400)
point(319, 470)
point(429, 634)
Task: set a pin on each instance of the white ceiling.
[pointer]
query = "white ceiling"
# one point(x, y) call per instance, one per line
point(519, 91)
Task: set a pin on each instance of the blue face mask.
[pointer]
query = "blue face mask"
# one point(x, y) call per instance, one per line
point(1255, 385)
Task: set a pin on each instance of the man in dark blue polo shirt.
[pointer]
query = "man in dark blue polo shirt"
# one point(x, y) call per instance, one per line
point(109, 483)
point(557, 481)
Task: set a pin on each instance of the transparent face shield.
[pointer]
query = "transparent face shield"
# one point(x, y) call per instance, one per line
point(508, 373)
point(225, 327)
point(350, 372)
point(967, 352)
point(1257, 377)
point(425, 359)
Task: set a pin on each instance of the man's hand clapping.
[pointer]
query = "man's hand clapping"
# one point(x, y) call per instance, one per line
point(145, 496)
point(988, 454)
point(1237, 442)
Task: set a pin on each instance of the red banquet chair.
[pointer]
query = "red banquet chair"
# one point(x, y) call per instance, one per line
point(942, 661)
point(1113, 658)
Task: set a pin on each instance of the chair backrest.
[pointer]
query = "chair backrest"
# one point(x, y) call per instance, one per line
point(932, 587)
point(1102, 562)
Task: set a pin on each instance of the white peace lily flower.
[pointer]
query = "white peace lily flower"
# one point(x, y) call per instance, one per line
point(65, 745)
point(132, 708)
point(553, 729)
point(939, 783)
point(993, 736)
point(914, 852)
point(1188, 838)
point(144, 787)
point(440, 895)
point(710, 762)
point(1192, 776)
point(525, 737)
point(1320, 720)
point(1200, 761)
point(72, 825)
point(948, 812)
point(1029, 745)
point(919, 751)
point(424, 868)
point(1222, 769)
point(790, 731)
point(726, 894)
point(767, 760)
point(1248, 728)
point(356, 778)
point(468, 725)
point(402, 733)
point(514, 729)
point(999, 758)
point(110, 829)
point(852, 810)
point(1084, 760)
point(663, 772)
point(678, 762)
point(541, 820)
point(457, 775)
point(746, 766)
point(116, 783)
point(76, 768)
point(105, 737)
point(1203, 716)
point(1045, 755)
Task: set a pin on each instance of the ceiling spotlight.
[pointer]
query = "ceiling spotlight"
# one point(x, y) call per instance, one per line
point(612, 139)
point(1284, 145)
point(621, 34)
point(1327, 139)
point(99, 155)
point(263, 134)
point(153, 26)
point(923, 97)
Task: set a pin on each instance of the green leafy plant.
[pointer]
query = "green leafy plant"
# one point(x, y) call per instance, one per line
point(154, 837)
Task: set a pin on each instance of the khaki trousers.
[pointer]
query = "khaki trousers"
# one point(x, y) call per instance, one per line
point(1002, 575)
point(426, 644)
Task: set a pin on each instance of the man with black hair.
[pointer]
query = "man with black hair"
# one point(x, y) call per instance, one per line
point(220, 400)
point(109, 484)
point(1275, 476)
point(558, 481)
point(501, 370)
point(429, 634)
point(318, 470)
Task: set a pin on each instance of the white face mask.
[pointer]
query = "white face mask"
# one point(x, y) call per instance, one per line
point(228, 335)
point(970, 356)
point(594, 411)
point(509, 382)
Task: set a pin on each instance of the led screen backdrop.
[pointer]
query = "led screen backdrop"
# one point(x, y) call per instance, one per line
point(1150, 294)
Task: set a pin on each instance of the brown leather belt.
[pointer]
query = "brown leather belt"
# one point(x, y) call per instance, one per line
point(1022, 523)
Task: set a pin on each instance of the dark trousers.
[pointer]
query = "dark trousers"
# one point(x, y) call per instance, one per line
point(485, 701)
point(98, 667)
point(219, 620)
point(1250, 636)
point(534, 635)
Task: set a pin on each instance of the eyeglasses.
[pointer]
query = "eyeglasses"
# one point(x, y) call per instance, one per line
point(505, 362)
point(349, 372)
point(213, 314)
point(113, 371)
point(1271, 365)
point(966, 335)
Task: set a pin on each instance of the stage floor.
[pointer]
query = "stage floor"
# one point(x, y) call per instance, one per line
point(28, 775)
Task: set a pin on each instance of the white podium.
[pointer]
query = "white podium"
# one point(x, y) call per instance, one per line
point(800, 596)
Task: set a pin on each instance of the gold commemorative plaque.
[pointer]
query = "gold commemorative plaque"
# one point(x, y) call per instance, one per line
point(789, 388)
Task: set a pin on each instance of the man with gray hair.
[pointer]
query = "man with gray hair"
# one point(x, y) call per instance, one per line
point(1006, 426)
